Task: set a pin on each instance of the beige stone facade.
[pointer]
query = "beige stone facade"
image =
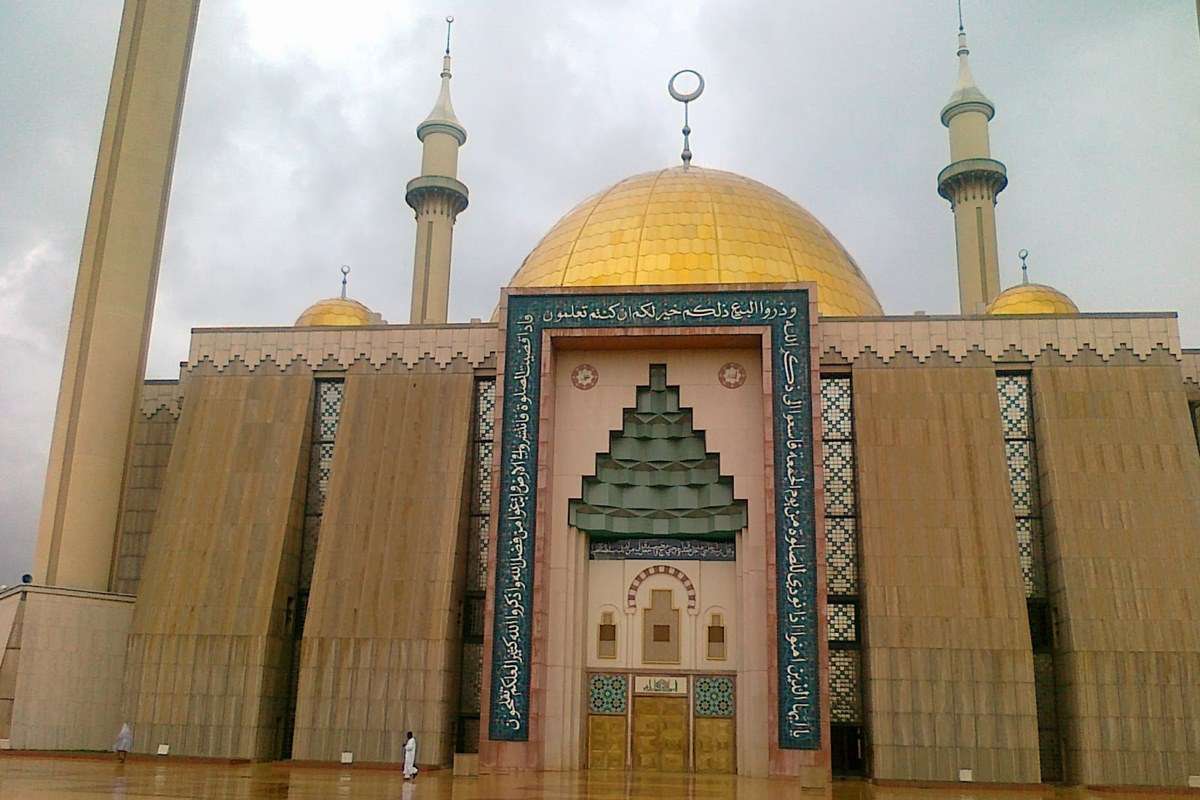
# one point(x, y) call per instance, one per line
point(149, 451)
point(62, 667)
point(1121, 478)
point(949, 674)
point(947, 677)
point(208, 665)
point(380, 649)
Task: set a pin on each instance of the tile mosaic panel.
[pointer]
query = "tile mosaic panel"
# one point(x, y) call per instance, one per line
point(319, 471)
point(837, 421)
point(1015, 416)
point(839, 477)
point(786, 313)
point(1022, 478)
point(326, 413)
point(485, 408)
point(1029, 551)
point(845, 693)
point(329, 409)
point(483, 478)
point(606, 694)
point(714, 696)
point(842, 619)
point(841, 555)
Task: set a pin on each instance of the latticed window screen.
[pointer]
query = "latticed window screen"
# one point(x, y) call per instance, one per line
point(1016, 420)
point(845, 690)
point(327, 412)
point(481, 489)
point(841, 550)
point(483, 428)
point(1020, 451)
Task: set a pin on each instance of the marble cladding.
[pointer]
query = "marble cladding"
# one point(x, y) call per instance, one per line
point(949, 667)
point(1120, 476)
point(72, 659)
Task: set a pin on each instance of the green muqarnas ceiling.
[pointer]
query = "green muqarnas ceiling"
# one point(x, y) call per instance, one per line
point(657, 480)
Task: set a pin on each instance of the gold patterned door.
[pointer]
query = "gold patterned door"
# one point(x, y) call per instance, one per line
point(714, 745)
point(660, 736)
point(606, 742)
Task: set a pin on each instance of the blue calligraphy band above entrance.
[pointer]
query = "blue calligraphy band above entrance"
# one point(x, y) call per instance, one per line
point(786, 312)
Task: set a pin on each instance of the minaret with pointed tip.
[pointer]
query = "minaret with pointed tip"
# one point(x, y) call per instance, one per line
point(971, 182)
point(437, 197)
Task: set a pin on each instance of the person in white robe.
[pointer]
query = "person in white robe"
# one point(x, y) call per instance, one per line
point(410, 757)
point(124, 742)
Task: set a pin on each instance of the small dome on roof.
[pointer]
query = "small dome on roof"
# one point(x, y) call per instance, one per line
point(1031, 298)
point(337, 311)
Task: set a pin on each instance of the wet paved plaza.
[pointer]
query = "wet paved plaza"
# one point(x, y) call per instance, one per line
point(27, 778)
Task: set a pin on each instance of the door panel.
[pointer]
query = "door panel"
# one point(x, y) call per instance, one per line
point(660, 740)
point(606, 742)
point(714, 745)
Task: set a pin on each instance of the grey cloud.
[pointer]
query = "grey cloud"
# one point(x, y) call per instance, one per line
point(291, 163)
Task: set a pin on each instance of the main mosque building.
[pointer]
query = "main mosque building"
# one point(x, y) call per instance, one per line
point(690, 501)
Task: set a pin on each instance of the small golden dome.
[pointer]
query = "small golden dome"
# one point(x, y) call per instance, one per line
point(338, 311)
point(694, 225)
point(1032, 298)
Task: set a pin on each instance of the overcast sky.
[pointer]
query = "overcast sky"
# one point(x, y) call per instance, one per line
point(298, 138)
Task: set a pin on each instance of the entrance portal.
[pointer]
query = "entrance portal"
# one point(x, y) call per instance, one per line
point(660, 738)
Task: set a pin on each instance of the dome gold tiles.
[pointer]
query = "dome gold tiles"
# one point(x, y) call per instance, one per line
point(335, 311)
point(697, 226)
point(1032, 298)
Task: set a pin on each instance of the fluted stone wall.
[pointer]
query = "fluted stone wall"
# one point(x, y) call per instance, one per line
point(150, 450)
point(208, 653)
point(949, 677)
point(380, 653)
point(1120, 477)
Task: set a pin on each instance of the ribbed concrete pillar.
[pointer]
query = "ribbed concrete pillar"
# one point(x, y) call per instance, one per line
point(114, 294)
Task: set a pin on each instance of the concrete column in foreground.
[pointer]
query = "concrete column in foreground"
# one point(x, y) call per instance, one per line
point(114, 294)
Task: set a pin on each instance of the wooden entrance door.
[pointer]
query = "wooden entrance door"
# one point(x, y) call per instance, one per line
point(660, 734)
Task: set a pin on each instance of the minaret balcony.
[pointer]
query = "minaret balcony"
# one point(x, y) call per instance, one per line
point(453, 192)
point(972, 171)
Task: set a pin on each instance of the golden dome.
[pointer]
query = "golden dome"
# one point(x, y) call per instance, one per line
point(1032, 298)
point(695, 225)
point(336, 311)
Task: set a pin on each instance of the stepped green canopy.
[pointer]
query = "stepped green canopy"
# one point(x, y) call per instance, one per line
point(657, 480)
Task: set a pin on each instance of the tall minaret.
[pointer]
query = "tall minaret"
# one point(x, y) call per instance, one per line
point(437, 197)
point(971, 182)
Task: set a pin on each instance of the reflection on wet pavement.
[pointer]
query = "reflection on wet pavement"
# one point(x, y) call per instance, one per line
point(79, 778)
